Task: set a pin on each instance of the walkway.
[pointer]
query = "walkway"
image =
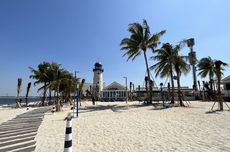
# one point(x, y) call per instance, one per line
point(17, 134)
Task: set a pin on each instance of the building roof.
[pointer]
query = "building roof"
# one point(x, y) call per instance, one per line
point(226, 79)
point(115, 86)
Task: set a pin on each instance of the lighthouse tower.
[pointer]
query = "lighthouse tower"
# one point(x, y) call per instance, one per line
point(98, 77)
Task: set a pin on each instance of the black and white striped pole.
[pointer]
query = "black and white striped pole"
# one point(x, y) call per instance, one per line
point(68, 134)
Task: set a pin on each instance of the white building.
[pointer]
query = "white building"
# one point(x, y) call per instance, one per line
point(114, 92)
point(98, 77)
point(226, 84)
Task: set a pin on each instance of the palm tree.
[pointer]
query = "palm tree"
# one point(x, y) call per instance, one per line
point(146, 86)
point(57, 75)
point(192, 59)
point(181, 67)
point(206, 67)
point(62, 82)
point(56, 79)
point(41, 76)
point(18, 104)
point(218, 68)
point(66, 85)
point(139, 42)
point(165, 60)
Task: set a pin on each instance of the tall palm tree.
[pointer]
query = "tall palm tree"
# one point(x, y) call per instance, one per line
point(218, 72)
point(181, 67)
point(192, 59)
point(165, 60)
point(146, 86)
point(139, 42)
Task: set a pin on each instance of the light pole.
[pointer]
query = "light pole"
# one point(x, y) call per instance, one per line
point(75, 73)
point(126, 89)
point(77, 99)
point(76, 95)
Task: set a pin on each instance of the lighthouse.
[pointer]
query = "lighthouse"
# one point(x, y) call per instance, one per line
point(98, 78)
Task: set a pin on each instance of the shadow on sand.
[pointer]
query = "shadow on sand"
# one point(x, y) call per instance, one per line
point(215, 111)
point(114, 108)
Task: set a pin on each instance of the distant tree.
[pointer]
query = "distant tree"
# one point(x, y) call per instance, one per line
point(206, 68)
point(139, 42)
point(192, 59)
point(56, 79)
point(40, 75)
point(57, 76)
point(67, 85)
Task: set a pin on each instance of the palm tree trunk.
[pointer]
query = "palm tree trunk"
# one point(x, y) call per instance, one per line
point(18, 105)
point(219, 92)
point(148, 75)
point(179, 91)
point(173, 88)
point(192, 53)
point(57, 102)
point(27, 92)
point(146, 87)
point(58, 105)
point(44, 95)
point(194, 77)
point(211, 85)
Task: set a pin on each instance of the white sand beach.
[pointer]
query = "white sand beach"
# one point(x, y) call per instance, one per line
point(135, 128)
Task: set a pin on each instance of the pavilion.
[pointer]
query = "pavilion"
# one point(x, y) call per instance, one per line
point(114, 92)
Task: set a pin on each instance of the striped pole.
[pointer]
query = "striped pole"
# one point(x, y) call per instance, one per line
point(68, 134)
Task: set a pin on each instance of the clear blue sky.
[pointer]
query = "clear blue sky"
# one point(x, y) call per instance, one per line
point(77, 33)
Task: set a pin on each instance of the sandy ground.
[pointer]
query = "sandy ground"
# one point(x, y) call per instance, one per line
point(136, 128)
point(10, 113)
